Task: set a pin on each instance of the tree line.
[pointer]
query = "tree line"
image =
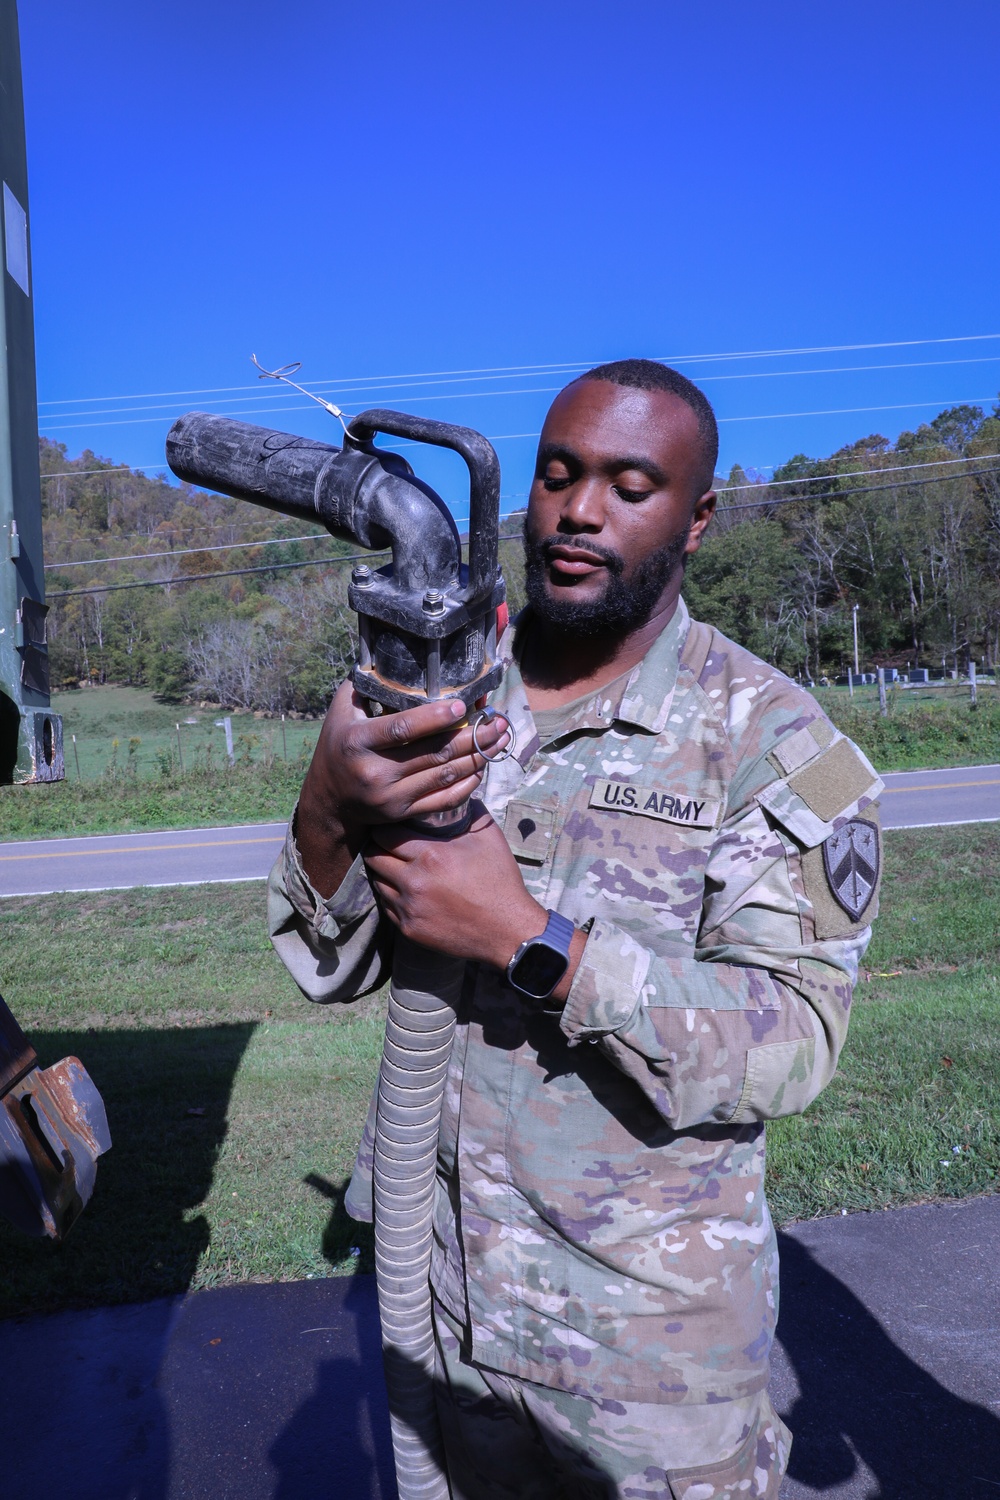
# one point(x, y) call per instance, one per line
point(909, 532)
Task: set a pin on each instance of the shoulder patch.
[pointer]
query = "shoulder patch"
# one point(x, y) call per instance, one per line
point(838, 778)
point(851, 860)
point(842, 875)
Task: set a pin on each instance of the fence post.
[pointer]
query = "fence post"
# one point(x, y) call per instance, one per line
point(883, 707)
point(76, 757)
point(850, 681)
point(972, 682)
point(284, 742)
point(180, 754)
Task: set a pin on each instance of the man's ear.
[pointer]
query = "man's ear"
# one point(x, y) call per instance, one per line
point(704, 510)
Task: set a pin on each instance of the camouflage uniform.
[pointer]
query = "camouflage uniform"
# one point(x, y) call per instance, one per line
point(601, 1226)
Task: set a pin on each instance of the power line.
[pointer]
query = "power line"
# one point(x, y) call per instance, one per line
point(271, 399)
point(109, 469)
point(547, 368)
point(318, 536)
point(156, 583)
point(814, 479)
point(274, 541)
point(768, 416)
point(934, 463)
point(867, 489)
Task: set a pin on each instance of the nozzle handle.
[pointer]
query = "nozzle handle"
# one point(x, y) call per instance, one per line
point(484, 478)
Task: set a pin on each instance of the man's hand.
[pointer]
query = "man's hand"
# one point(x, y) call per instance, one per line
point(463, 896)
point(366, 772)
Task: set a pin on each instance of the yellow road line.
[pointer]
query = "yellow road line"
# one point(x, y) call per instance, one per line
point(940, 786)
point(139, 849)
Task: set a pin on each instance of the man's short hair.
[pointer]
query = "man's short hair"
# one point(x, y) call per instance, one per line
point(650, 375)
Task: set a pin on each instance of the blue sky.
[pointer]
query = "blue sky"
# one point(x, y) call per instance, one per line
point(390, 192)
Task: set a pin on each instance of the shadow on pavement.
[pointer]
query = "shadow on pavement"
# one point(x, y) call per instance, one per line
point(338, 1436)
point(87, 1385)
point(862, 1397)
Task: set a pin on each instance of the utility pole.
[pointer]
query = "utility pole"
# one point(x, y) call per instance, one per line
point(227, 725)
point(31, 743)
point(854, 615)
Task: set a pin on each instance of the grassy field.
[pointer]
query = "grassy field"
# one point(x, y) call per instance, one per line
point(147, 735)
point(235, 1106)
point(131, 775)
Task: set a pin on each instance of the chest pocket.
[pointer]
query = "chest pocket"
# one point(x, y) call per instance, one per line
point(529, 830)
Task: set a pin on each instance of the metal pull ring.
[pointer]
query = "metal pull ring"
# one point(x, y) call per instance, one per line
point(487, 716)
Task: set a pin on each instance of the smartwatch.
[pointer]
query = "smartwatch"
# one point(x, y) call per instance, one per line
point(540, 963)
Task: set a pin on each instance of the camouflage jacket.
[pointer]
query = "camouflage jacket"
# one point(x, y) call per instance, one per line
point(601, 1224)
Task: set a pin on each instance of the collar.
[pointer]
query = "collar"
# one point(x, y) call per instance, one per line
point(644, 702)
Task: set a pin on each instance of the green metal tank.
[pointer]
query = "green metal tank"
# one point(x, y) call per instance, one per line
point(31, 746)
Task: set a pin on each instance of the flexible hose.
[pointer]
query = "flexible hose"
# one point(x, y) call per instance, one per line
point(423, 999)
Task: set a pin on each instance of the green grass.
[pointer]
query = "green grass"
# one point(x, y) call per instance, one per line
point(258, 792)
point(923, 728)
point(140, 784)
point(175, 1002)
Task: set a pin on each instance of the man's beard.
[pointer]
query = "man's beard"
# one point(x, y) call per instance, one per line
point(623, 605)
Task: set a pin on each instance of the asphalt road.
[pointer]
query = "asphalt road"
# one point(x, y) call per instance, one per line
point(929, 799)
point(119, 861)
point(912, 799)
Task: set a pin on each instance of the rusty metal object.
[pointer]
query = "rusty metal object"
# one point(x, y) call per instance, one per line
point(53, 1127)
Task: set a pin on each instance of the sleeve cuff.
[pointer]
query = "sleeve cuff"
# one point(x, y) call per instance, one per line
point(350, 903)
point(607, 986)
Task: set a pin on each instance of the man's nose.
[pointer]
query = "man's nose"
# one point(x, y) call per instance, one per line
point(583, 507)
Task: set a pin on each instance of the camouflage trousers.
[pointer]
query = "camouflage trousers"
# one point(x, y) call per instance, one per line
point(509, 1439)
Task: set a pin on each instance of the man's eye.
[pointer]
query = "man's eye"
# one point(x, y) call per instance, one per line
point(624, 493)
point(556, 481)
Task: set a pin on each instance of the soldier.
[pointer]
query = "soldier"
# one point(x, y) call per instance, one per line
point(662, 904)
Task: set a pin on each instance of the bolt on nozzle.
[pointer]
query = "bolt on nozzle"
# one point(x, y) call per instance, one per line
point(361, 575)
point(434, 602)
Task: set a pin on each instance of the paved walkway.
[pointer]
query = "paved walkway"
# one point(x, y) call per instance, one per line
point(888, 1368)
point(913, 799)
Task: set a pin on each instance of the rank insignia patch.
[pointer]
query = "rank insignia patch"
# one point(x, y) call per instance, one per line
point(851, 861)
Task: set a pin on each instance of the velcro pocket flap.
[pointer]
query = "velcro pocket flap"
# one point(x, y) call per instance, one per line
point(837, 785)
point(528, 830)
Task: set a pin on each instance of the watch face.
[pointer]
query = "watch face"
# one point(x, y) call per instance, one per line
point(539, 970)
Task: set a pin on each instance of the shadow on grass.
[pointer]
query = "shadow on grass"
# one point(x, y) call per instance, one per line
point(343, 1235)
point(137, 1239)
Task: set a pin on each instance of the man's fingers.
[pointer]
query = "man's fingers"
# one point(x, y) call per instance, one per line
point(426, 736)
point(388, 731)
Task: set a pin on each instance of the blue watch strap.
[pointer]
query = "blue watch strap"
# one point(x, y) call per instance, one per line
point(558, 933)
